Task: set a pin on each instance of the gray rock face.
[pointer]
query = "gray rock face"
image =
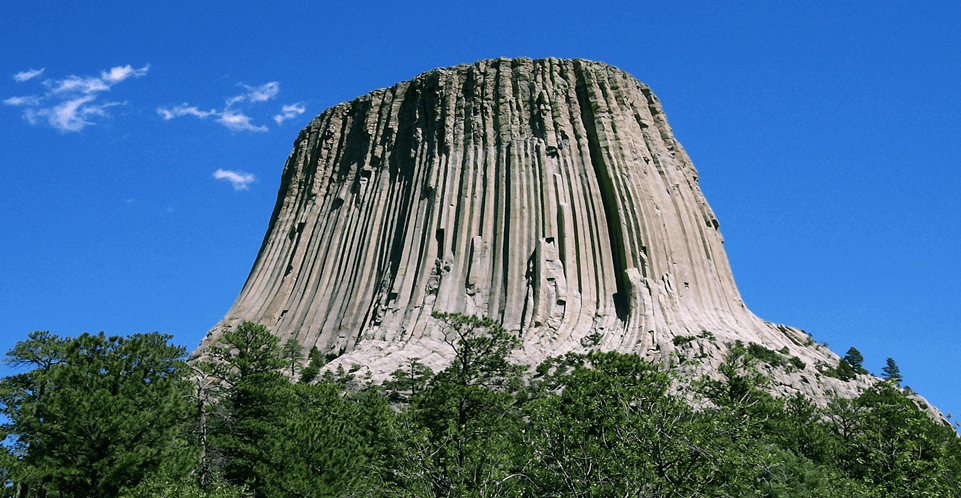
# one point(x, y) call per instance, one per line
point(548, 194)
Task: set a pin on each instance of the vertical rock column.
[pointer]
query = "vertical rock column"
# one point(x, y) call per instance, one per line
point(548, 194)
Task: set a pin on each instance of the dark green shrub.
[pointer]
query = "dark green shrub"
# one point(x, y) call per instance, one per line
point(797, 363)
point(764, 354)
point(680, 340)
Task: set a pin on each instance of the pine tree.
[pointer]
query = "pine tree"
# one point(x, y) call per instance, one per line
point(292, 353)
point(315, 445)
point(854, 358)
point(461, 430)
point(844, 370)
point(896, 447)
point(892, 372)
point(283, 439)
point(602, 422)
point(248, 361)
point(95, 415)
point(315, 360)
point(249, 354)
point(408, 380)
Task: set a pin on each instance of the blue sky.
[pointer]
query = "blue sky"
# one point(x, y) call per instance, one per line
point(141, 147)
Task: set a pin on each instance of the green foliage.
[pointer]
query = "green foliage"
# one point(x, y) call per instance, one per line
point(602, 424)
point(797, 363)
point(460, 433)
point(317, 445)
point(764, 354)
point(743, 384)
point(854, 358)
point(408, 381)
point(892, 372)
point(248, 362)
point(97, 416)
point(344, 380)
point(166, 487)
point(885, 440)
point(481, 350)
point(315, 360)
point(94, 415)
point(292, 353)
point(680, 340)
point(283, 439)
point(842, 371)
point(249, 354)
point(800, 430)
point(592, 339)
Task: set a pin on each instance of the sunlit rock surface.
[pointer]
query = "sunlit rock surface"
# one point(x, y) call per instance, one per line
point(548, 194)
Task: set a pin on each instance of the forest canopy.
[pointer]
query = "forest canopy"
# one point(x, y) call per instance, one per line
point(99, 416)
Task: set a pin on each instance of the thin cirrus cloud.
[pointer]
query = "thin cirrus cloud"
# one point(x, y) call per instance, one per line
point(26, 75)
point(29, 100)
point(238, 179)
point(290, 111)
point(232, 118)
point(184, 110)
point(261, 93)
point(71, 104)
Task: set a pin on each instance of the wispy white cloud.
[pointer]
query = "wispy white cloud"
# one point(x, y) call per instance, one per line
point(26, 75)
point(260, 93)
point(239, 179)
point(263, 93)
point(290, 111)
point(229, 117)
point(69, 104)
point(232, 119)
point(238, 121)
point(77, 84)
point(118, 74)
point(31, 100)
point(71, 115)
point(185, 110)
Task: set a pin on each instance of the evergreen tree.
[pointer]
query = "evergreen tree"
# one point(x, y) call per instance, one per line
point(21, 396)
point(95, 415)
point(409, 380)
point(745, 420)
point(315, 360)
point(892, 372)
point(249, 354)
point(318, 444)
point(167, 487)
point(603, 424)
point(248, 361)
point(844, 370)
point(854, 358)
point(888, 442)
point(801, 430)
point(461, 431)
point(292, 353)
point(284, 439)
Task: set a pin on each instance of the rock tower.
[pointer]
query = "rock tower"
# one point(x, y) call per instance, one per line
point(548, 194)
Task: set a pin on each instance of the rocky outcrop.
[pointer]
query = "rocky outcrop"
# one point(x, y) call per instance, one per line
point(548, 194)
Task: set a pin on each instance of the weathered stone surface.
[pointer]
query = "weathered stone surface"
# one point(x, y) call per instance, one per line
point(549, 194)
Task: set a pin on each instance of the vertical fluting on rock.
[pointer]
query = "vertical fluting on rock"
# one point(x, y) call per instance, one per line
point(548, 194)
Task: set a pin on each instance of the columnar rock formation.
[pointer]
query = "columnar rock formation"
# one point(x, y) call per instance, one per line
point(548, 194)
